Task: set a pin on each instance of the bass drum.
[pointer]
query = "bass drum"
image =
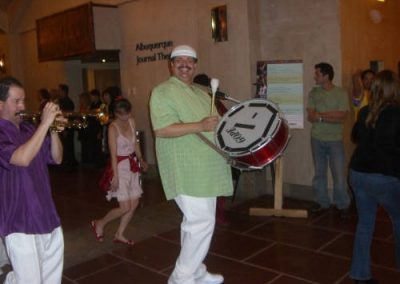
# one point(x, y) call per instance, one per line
point(253, 134)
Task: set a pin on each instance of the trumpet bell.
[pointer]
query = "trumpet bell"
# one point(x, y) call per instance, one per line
point(75, 120)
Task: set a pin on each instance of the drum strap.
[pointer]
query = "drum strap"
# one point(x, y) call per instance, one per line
point(234, 163)
point(209, 143)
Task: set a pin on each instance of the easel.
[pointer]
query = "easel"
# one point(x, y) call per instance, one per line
point(278, 199)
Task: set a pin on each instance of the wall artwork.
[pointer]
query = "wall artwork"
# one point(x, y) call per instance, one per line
point(219, 24)
point(281, 81)
point(66, 34)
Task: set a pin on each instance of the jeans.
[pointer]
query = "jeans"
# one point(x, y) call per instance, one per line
point(331, 152)
point(370, 190)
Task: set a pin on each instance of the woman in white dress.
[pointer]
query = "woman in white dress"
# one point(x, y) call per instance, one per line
point(126, 162)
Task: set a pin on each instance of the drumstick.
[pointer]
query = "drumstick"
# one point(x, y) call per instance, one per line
point(214, 87)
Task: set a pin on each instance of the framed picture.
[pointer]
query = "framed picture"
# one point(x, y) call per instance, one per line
point(66, 34)
point(219, 24)
point(281, 82)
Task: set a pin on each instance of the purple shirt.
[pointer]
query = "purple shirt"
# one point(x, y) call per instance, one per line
point(26, 204)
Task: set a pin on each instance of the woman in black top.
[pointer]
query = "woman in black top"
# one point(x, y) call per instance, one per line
point(375, 169)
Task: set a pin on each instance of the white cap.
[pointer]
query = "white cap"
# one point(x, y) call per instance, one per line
point(183, 50)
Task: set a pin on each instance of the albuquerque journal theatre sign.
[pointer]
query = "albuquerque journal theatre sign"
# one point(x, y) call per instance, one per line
point(150, 52)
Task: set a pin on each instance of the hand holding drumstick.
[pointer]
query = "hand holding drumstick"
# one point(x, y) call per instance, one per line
point(214, 87)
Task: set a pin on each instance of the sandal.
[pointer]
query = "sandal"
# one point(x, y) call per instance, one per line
point(127, 242)
point(98, 237)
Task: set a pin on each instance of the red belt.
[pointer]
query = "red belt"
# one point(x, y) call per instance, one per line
point(135, 167)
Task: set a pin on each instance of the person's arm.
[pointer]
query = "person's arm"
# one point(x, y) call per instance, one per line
point(112, 145)
point(357, 92)
point(138, 152)
point(181, 129)
point(25, 153)
point(312, 115)
point(56, 147)
point(335, 116)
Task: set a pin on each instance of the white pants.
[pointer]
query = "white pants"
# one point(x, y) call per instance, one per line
point(197, 229)
point(3, 256)
point(36, 259)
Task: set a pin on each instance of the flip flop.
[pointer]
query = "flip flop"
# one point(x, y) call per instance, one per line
point(98, 237)
point(127, 242)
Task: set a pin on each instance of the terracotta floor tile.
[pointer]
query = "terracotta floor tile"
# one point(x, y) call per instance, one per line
point(382, 252)
point(154, 252)
point(236, 272)
point(66, 281)
point(331, 220)
point(226, 243)
point(384, 276)
point(91, 266)
point(289, 280)
point(244, 251)
point(294, 234)
point(173, 235)
point(302, 263)
point(342, 246)
point(124, 273)
point(235, 245)
point(383, 227)
point(242, 221)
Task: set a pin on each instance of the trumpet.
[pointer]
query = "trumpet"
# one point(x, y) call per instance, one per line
point(75, 120)
point(100, 115)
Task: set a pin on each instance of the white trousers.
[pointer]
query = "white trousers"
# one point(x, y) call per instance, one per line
point(36, 259)
point(3, 256)
point(197, 229)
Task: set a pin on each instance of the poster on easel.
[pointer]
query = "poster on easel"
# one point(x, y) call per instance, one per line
point(281, 81)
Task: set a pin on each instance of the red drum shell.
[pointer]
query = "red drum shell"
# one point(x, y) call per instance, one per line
point(253, 134)
point(268, 152)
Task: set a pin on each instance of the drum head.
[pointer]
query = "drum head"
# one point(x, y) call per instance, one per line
point(247, 126)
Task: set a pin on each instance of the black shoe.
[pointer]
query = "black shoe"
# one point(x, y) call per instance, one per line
point(317, 208)
point(369, 281)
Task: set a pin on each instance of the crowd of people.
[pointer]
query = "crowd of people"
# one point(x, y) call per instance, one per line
point(92, 138)
point(374, 174)
point(193, 174)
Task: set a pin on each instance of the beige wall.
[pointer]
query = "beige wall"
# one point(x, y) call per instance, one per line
point(228, 61)
point(370, 34)
point(309, 31)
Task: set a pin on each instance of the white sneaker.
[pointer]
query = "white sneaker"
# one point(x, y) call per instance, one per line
point(172, 280)
point(209, 278)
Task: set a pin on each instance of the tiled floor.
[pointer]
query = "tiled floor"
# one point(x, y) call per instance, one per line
point(251, 250)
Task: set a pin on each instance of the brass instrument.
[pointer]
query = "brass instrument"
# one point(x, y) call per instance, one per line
point(100, 115)
point(75, 120)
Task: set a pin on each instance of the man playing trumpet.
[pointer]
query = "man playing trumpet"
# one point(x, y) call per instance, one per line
point(29, 222)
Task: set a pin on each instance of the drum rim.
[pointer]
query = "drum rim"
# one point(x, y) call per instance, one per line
point(253, 167)
point(257, 146)
point(261, 145)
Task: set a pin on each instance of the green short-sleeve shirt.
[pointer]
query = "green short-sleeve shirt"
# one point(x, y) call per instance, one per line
point(187, 165)
point(322, 100)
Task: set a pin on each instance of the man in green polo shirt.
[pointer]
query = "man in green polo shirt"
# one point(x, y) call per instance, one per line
point(192, 173)
point(327, 109)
